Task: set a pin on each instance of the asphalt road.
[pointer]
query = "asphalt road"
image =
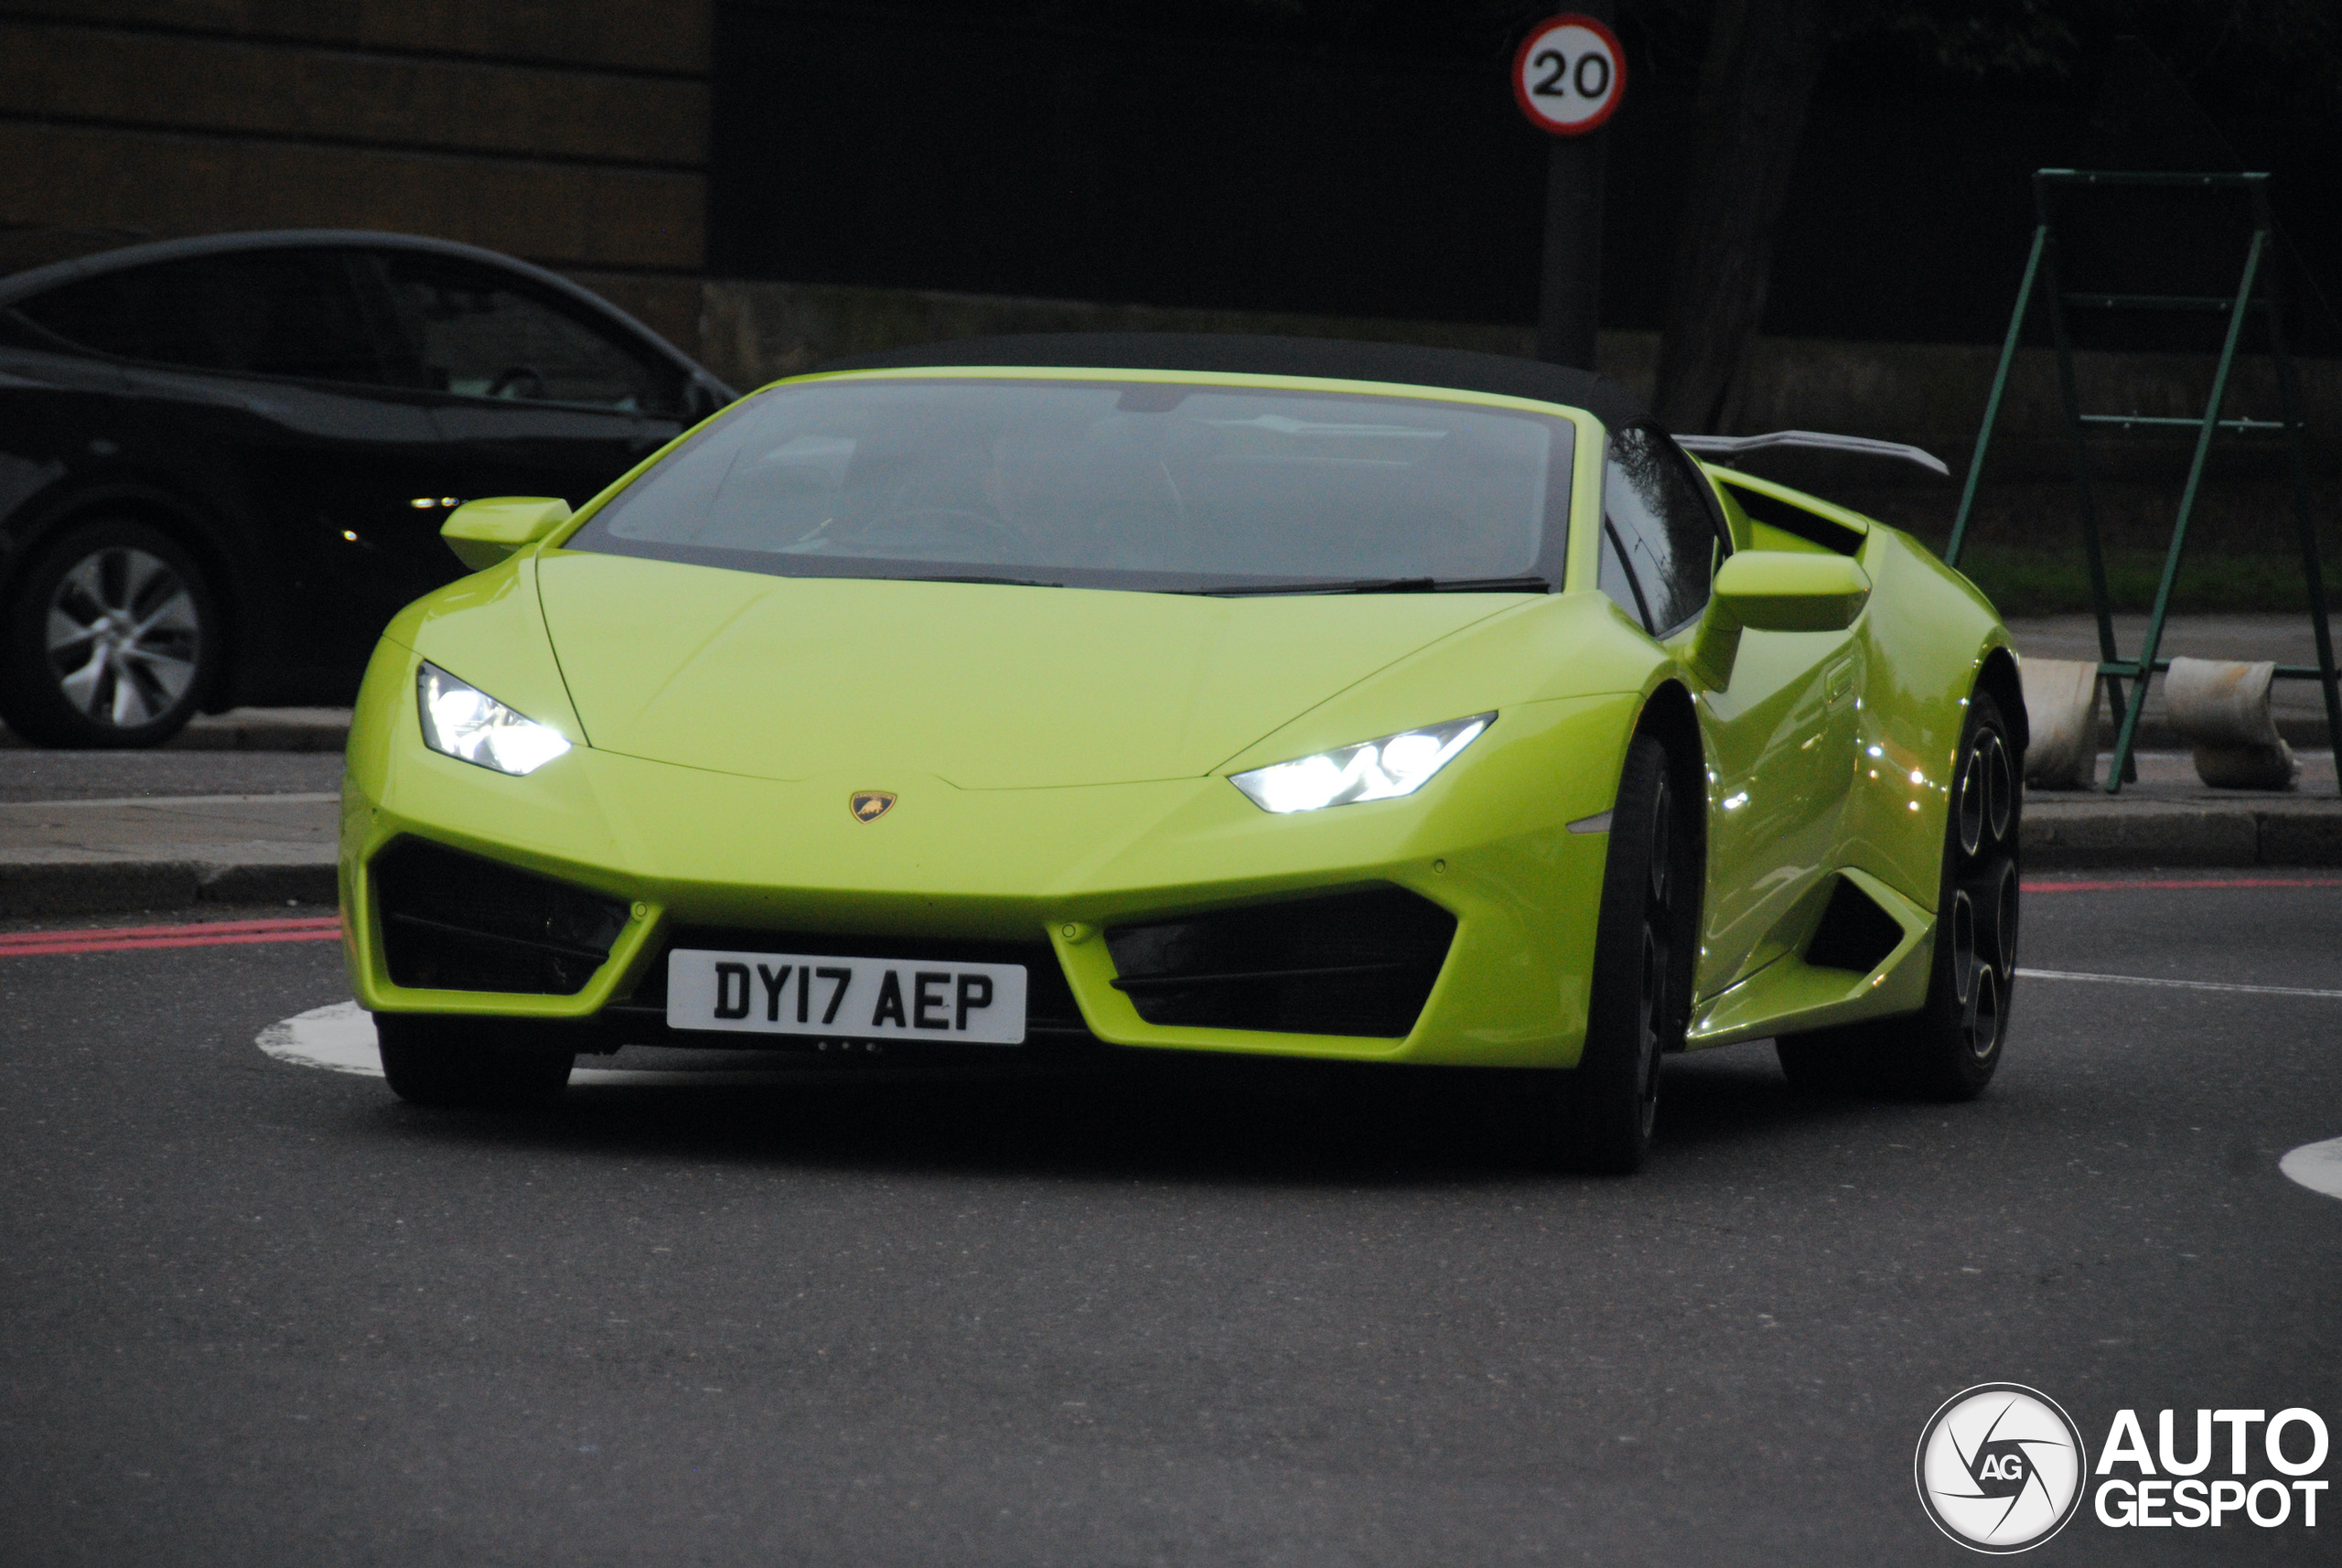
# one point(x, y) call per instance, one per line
point(259, 1314)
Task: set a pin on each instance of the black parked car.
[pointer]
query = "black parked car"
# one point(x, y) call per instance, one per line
point(224, 462)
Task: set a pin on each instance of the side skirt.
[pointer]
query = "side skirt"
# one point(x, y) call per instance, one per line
point(1791, 993)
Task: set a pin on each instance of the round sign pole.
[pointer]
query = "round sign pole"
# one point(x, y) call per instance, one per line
point(1568, 77)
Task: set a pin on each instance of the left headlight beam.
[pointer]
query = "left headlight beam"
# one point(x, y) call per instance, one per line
point(461, 721)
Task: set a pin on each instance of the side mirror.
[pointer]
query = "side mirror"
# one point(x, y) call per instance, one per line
point(1774, 590)
point(1789, 590)
point(481, 534)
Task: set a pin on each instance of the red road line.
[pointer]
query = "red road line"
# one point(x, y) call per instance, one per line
point(2033, 887)
point(238, 939)
point(289, 922)
point(131, 939)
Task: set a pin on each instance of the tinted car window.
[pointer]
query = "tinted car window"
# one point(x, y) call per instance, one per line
point(1660, 506)
point(277, 313)
point(1615, 580)
point(1106, 484)
point(474, 331)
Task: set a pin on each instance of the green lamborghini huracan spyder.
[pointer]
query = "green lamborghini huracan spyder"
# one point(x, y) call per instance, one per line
point(1304, 699)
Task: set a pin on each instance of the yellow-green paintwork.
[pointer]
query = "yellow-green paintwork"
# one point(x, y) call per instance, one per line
point(1776, 590)
point(1061, 759)
point(483, 533)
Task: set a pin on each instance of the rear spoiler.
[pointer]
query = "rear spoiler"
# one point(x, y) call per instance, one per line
point(1812, 441)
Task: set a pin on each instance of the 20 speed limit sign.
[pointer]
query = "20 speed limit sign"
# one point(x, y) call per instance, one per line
point(1569, 75)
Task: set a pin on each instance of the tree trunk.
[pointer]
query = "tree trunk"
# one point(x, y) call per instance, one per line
point(1763, 59)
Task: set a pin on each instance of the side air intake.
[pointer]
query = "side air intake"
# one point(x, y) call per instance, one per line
point(1854, 933)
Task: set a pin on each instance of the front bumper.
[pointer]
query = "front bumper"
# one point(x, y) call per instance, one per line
point(675, 848)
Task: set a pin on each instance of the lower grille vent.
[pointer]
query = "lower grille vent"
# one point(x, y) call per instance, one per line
point(1354, 963)
point(453, 921)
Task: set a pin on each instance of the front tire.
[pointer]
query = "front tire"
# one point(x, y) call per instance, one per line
point(1950, 1047)
point(1609, 1104)
point(113, 639)
point(440, 1062)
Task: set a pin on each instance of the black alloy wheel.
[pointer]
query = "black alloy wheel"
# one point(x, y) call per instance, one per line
point(430, 1059)
point(1642, 954)
point(112, 639)
point(1952, 1046)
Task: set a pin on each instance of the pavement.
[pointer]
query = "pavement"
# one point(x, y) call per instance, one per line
point(265, 1315)
point(61, 857)
point(250, 729)
point(242, 807)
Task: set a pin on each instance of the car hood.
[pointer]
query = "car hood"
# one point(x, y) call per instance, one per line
point(988, 687)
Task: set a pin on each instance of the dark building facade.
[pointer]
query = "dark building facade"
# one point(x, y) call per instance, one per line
point(570, 133)
point(644, 146)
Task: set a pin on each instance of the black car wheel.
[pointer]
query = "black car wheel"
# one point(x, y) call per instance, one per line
point(431, 1060)
point(112, 636)
point(1609, 1103)
point(1950, 1047)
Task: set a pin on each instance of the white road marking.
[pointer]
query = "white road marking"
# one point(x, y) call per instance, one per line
point(2317, 1167)
point(2177, 984)
point(340, 1038)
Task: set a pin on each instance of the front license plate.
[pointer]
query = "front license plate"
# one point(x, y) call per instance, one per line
point(846, 998)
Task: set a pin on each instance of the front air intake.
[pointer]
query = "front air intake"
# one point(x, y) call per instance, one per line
point(452, 921)
point(1352, 963)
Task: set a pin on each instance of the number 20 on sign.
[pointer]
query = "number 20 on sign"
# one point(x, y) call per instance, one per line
point(1569, 75)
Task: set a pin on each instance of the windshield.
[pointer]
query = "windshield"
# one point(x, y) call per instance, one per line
point(1110, 484)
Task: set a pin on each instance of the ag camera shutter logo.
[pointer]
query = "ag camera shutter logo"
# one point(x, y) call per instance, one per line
point(2001, 1467)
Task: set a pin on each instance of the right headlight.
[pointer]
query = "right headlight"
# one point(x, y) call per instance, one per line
point(464, 723)
point(1371, 771)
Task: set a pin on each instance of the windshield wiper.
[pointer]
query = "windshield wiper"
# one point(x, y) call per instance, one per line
point(1524, 584)
point(996, 582)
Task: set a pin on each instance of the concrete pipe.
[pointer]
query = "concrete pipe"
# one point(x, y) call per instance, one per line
point(2221, 709)
point(2061, 710)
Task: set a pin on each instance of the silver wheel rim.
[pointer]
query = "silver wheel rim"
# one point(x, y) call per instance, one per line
point(1980, 1015)
point(1661, 866)
point(2005, 921)
point(1964, 946)
point(124, 636)
point(2000, 786)
point(1972, 792)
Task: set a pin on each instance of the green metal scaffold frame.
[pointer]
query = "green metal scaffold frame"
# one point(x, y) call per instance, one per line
point(2255, 290)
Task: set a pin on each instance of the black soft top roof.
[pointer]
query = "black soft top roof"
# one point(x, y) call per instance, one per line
point(1236, 354)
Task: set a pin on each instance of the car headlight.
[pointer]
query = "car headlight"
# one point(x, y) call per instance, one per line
point(466, 723)
point(1373, 770)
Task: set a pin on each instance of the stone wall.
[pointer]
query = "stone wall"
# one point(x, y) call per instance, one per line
point(571, 132)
